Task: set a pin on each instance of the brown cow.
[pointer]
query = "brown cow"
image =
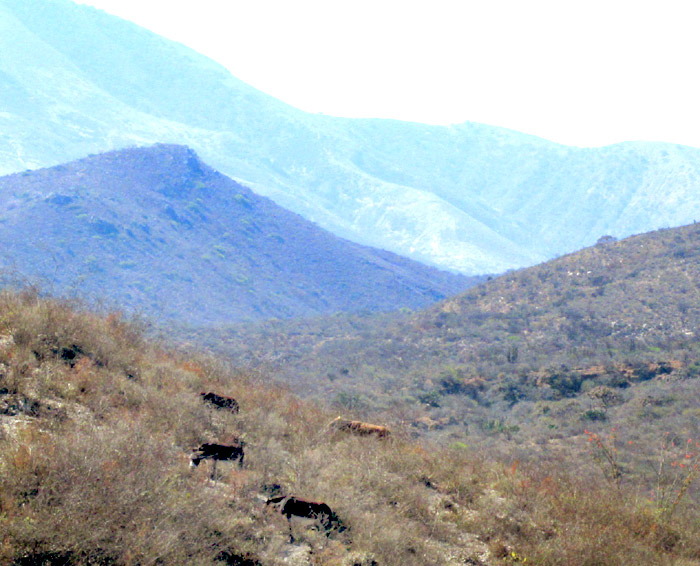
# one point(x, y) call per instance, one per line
point(220, 401)
point(359, 428)
point(298, 510)
point(216, 453)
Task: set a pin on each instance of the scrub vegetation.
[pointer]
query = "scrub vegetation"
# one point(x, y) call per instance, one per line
point(97, 423)
point(604, 338)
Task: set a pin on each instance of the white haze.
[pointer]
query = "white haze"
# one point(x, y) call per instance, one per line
point(581, 73)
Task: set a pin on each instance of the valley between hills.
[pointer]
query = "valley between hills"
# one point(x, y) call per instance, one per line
point(431, 346)
point(605, 337)
point(546, 416)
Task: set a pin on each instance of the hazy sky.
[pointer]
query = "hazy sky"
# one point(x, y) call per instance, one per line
point(581, 73)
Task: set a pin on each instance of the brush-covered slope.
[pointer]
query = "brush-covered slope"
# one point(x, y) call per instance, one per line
point(469, 197)
point(604, 337)
point(97, 423)
point(157, 231)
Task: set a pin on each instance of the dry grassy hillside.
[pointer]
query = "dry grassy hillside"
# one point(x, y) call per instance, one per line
point(96, 424)
point(606, 338)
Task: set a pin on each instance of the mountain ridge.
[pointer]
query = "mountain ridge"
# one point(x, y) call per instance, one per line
point(157, 230)
point(499, 199)
point(619, 318)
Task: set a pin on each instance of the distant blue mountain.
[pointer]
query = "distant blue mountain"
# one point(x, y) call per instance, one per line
point(155, 230)
point(471, 198)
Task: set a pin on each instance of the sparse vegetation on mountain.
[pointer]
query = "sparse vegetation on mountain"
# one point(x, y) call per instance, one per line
point(602, 339)
point(470, 197)
point(97, 423)
point(156, 231)
point(549, 416)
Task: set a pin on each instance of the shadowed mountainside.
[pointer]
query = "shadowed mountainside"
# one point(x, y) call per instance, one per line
point(156, 230)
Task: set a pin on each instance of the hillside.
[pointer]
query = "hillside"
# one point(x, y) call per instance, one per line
point(157, 231)
point(469, 197)
point(97, 423)
point(603, 339)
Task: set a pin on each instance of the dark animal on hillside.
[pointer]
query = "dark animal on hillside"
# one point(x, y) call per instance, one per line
point(220, 401)
point(306, 512)
point(216, 453)
point(359, 428)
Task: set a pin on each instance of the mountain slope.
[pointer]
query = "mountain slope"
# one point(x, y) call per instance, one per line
point(473, 198)
point(605, 337)
point(635, 295)
point(156, 229)
point(97, 425)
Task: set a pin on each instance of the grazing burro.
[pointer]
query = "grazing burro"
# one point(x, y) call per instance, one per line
point(312, 513)
point(220, 401)
point(218, 452)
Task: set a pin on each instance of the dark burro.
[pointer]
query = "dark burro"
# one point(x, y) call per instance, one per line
point(313, 513)
point(220, 401)
point(216, 453)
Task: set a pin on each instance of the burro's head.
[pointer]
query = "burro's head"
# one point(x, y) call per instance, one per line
point(276, 502)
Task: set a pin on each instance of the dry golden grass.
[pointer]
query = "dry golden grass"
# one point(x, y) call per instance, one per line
point(94, 470)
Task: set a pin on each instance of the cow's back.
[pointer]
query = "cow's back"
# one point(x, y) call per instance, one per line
point(361, 428)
